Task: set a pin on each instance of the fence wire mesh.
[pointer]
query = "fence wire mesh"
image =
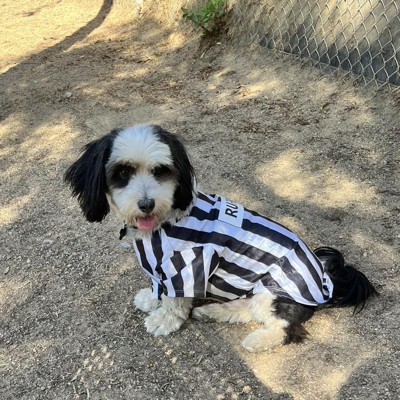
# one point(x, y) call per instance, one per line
point(358, 37)
point(361, 37)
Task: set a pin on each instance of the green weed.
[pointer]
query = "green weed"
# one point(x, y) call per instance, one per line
point(207, 17)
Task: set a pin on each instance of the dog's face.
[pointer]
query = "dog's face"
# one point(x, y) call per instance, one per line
point(143, 172)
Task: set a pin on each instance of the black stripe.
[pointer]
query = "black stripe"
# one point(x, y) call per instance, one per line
point(256, 214)
point(219, 239)
point(216, 297)
point(296, 278)
point(160, 291)
point(268, 233)
point(249, 226)
point(215, 260)
point(203, 215)
point(272, 285)
point(143, 260)
point(198, 271)
point(179, 263)
point(158, 252)
point(306, 261)
point(221, 284)
point(243, 273)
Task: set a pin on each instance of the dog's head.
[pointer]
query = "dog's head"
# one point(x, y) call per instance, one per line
point(143, 172)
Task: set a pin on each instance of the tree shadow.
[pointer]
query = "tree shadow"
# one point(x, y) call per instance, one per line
point(37, 59)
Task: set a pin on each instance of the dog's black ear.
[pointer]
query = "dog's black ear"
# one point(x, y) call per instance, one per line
point(87, 178)
point(183, 195)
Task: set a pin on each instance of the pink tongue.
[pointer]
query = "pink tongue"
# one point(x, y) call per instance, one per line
point(146, 223)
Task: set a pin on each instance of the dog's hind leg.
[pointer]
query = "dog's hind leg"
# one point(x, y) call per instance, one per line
point(282, 321)
point(273, 332)
point(232, 312)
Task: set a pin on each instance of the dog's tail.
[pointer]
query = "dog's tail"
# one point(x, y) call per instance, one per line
point(351, 288)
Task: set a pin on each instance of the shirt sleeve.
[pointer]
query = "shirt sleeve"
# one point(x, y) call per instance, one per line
point(186, 274)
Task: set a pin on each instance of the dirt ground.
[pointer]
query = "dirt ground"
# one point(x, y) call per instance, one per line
point(306, 149)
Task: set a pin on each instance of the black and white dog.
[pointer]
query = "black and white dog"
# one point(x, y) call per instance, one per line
point(194, 245)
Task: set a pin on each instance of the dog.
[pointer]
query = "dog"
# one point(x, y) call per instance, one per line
point(197, 245)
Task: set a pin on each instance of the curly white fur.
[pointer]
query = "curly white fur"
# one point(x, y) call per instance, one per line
point(259, 309)
point(169, 317)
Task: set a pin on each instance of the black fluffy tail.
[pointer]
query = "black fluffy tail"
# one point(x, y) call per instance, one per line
point(351, 288)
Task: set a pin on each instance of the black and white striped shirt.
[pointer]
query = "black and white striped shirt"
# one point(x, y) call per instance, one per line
point(223, 251)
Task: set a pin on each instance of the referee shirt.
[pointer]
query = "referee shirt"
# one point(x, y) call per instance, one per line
point(224, 251)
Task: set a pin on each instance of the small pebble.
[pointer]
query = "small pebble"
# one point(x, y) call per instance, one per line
point(246, 389)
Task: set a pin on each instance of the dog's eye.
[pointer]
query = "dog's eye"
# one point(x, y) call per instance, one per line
point(125, 172)
point(161, 171)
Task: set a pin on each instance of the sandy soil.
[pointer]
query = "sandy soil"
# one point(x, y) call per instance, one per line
point(307, 149)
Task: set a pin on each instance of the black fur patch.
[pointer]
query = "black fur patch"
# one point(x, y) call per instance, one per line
point(87, 177)
point(120, 175)
point(351, 288)
point(291, 311)
point(296, 314)
point(295, 333)
point(183, 195)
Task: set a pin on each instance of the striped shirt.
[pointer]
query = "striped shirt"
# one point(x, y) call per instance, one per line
point(224, 251)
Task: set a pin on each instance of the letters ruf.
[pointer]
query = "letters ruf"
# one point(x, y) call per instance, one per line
point(231, 209)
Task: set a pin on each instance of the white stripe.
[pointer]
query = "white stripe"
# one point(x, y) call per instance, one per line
point(260, 288)
point(271, 225)
point(229, 255)
point(329, 284)
point(251, 239)
point(289, 286)
point(188, 281)
point(187, 272)
point(312, 259)
point(155, 287)
point(208, 254)
point(170, 288)
point(226, 295)
point(313, 287)
point(150, 257)
point(234, 280)
point(169, 269)
point(204, 205)
point(165, 245)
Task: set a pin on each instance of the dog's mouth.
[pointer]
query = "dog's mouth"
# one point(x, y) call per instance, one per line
point(146, 223)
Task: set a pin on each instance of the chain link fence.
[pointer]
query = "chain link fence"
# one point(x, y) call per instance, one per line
point(358, 37)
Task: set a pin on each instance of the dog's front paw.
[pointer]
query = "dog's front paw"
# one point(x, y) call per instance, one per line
point(162, 322)
point(145, 301)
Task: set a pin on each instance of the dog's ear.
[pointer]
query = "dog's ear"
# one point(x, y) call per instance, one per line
point(183, 195)
point(87, 178)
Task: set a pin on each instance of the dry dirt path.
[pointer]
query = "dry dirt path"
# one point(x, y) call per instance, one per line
point(306, 149)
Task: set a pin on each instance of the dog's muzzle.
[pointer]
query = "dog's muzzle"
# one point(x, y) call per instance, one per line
point(147, 222)
point(146, 205)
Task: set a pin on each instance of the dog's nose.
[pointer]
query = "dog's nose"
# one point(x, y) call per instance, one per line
point(146, 205)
